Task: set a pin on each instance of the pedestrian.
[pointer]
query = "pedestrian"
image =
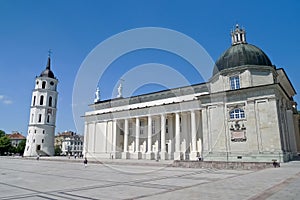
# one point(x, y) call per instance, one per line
point(85, 162)
point(38, 157)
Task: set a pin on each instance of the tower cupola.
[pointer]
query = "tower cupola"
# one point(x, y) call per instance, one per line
point(47, 72)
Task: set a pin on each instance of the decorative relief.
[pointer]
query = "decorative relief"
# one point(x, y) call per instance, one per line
point(238, 132)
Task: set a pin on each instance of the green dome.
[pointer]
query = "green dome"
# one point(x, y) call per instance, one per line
point(239, 55)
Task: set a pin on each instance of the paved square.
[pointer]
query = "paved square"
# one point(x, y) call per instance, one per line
point(32, 179)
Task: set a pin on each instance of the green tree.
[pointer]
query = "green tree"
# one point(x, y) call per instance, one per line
point(5, 144)
point(2, 133)
point(57, 150)
point(21, 147)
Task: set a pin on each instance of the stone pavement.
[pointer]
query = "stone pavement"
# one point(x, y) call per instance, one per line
point(68, 179)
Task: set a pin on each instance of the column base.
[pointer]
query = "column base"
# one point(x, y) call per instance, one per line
point(194, 155)
point(137, 155)
point(125, 155)
point(150, 156)
point(164, 156)
point(178, 156)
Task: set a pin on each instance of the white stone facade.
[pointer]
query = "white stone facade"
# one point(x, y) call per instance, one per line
point(242, 113)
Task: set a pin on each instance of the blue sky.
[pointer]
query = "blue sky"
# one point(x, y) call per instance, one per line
point(73, 28)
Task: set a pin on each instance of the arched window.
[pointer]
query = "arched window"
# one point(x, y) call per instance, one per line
point(40, 118)
point(43, 84)
point(34, 98)
point(50, 101)
point(41, 100)
point(237, 113)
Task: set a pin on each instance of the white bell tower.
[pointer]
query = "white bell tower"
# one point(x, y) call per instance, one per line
point(41, 128)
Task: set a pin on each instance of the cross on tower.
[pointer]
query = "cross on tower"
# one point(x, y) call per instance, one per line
point(49, 52)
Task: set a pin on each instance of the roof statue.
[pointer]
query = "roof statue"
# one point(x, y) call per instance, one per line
point(120, 89)
point(97, 95)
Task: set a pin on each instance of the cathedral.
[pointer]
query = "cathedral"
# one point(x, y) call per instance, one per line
point(245, 112)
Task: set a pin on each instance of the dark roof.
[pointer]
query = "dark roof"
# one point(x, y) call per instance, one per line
point(239, 55)
point(47, 72)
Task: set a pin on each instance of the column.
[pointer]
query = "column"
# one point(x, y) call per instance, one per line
point(137, 135)
point(194, 153)
point(171, 137)
point(125, 135)
point(94, 137)
point(163, 153)
point(149, 154)
point(193, 130)
point(125, 154)
point(85, 143)
point(177, 153)
point(137, 154)
point(114, 137)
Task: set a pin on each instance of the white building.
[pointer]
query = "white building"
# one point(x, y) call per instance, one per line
point(245, 112)
point(41, 128)
point(70, 143)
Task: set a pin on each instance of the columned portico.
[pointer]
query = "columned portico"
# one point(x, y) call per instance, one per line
point(165, 136)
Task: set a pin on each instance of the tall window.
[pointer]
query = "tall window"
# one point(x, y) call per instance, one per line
point(40, 118)
point(50, 101)
point(43, 84)
point(153, 126)
point(34, 98)
point(237, 113)
point(167, 126)
point(48, 118)
point(130, 128)
point(41, 100)
point(234, 82)
point(141, 127)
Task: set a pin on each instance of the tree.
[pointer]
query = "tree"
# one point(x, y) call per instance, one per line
point(57, 150)
point(5, 144)
point(21, 147)
point(2, 133)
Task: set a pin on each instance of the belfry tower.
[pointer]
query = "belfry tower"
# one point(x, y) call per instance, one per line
point(41, 128)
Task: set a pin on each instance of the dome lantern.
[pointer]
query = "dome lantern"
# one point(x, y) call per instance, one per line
point(238, 36)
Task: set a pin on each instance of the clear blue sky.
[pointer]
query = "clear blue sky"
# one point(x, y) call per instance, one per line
point(72, 28)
